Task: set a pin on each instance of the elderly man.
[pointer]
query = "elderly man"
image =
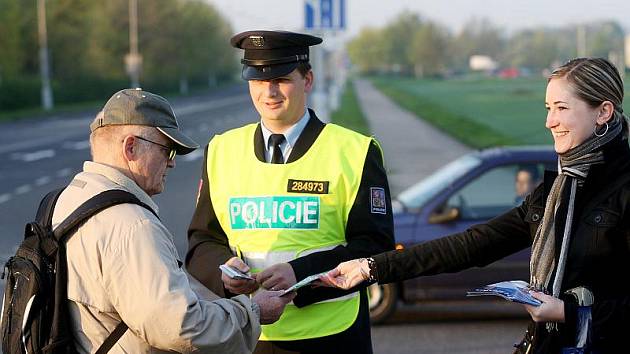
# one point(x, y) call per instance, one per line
point(122, 263)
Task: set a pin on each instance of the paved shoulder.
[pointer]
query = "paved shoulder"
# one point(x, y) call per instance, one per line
point(413, 148)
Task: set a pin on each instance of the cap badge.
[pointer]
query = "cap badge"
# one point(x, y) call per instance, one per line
point(257, 41)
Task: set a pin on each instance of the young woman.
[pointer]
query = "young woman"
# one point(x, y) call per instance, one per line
point(576, 221)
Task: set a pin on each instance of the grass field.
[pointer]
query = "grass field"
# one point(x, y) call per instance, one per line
point(479, 112)
point(349, 114)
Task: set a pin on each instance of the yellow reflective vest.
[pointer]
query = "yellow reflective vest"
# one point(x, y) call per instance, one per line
point(274, 213)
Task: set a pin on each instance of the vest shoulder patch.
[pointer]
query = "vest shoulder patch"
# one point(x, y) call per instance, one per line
point(378, 204)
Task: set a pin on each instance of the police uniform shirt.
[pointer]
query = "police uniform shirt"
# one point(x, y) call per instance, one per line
point(367, 233)
point(291, 136)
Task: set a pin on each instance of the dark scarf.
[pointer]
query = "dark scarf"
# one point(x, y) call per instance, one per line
point(573, 168)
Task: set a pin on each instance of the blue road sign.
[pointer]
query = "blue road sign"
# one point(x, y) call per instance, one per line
point(325, 14)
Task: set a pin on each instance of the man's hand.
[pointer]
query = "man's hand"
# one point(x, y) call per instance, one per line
point(271, 304)
point(347, 274)
point(238, 286)
point(551, 309)
point(277, 277)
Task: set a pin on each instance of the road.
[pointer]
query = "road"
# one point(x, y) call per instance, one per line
point(38, 155)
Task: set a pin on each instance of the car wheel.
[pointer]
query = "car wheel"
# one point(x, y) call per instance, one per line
point(382, 300)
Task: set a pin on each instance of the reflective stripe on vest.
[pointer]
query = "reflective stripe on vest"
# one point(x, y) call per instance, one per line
point(276, 212)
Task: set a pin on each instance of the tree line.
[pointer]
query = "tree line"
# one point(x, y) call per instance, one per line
point(183, 43)
point(413, 45)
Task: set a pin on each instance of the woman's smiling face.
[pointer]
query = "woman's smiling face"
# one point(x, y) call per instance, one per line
point(570, 119)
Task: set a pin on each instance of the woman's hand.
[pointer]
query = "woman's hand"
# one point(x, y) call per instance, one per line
point(347, 274)
point(551, 309)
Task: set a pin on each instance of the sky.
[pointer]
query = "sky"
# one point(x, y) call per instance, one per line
point(510, 15)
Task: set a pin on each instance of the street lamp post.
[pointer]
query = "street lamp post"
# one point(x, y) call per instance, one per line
point(133, 60)
point(46, 92)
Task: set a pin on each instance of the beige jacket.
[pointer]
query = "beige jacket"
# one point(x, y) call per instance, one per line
point(123, 264)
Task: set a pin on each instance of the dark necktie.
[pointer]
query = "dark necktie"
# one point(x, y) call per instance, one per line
point(276, 140)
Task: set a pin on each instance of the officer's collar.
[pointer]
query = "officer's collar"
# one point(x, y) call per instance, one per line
point(291, 135)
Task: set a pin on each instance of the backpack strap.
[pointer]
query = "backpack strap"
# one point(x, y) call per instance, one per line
point(109, 342)
point(89, 208)
point(92, 206)
point(47, 207)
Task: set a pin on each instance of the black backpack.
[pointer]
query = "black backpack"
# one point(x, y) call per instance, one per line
point(35, 316)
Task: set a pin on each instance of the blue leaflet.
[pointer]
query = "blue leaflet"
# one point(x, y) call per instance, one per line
point(514, 290)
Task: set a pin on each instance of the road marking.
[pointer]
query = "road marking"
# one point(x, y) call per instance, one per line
point(77, 145)
point(42, 181)
point(63, 130)
point(33, 156)
point(69, 128)
point(23, 189)
point(64, 172)
point(195, 155)
point(5, 198)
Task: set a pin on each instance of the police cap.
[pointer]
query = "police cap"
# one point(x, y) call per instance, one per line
point(271, 54)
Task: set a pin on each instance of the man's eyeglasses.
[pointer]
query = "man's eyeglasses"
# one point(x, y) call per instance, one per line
point(170, 150)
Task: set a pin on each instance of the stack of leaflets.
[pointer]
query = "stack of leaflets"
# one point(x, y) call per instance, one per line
point(514, 290)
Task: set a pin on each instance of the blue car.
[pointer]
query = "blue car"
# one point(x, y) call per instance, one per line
point(470, 190)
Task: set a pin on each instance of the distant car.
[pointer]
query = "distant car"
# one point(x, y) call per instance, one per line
point(470, 190)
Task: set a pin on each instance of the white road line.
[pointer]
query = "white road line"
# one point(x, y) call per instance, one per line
point(5, 198)
point(64, 172)
point(33, 156)
point(195, 155)
point(67, 128)
point(42, 181)
point(23, 189)
point(41, 141)
point(77, 145)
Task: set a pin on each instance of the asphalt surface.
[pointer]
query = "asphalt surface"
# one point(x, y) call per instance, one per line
point(481, 326)
point(38, 155)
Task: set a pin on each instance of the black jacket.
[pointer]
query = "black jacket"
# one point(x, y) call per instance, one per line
point(367, 233)
point(598, 258)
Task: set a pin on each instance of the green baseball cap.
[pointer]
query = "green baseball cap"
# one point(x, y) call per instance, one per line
point(138, 107)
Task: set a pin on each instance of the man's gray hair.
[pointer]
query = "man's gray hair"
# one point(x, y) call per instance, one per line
point(106, 140)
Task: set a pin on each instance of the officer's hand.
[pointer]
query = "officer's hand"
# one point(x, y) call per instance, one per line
point(271, 304)
point(238, 286)
point(551, 309)
point(347, 274)
point(277, 277)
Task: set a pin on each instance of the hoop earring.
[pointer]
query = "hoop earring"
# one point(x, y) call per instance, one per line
point(602, 134)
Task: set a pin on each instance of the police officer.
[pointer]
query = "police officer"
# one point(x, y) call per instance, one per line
point(289, 197)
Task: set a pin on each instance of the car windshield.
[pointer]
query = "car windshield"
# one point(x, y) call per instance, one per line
point(415, 196)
